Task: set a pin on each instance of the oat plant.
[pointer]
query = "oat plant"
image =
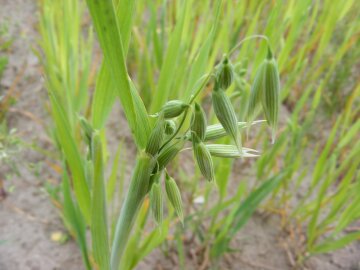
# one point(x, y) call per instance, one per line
point(160, 133)
point(156, 148)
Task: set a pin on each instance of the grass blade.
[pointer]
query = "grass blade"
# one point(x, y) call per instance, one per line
point(105, 21)
point(74, 220)
point(99, 230)
point(73, 158)
point(245, 211)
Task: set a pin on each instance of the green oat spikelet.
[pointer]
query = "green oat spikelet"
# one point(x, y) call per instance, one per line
point(230, 151)
point(173, 193)
point(266, 91)
point(170, 127)
point(225, 113)
point(217, 131)
point(173, 108)
point(156, 202)
point(168, 154)
point(271, 95)
point(225, 73)
point(156, 136)
point(154, 177)
point(203, 158)
point(199, 122)
point(256, 92)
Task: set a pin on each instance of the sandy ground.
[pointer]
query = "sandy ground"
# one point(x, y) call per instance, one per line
point(27, 217)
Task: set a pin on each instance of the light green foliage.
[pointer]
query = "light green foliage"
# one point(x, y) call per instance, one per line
point(171, 57)
point(99, 224)
point(160, 58)
point(72, 155)
point(74, 220)
point(106, 25)
point(67, 56)
point(241, 214)
point(341, 200)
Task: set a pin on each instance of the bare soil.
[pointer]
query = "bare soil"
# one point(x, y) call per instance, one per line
point(28, 218)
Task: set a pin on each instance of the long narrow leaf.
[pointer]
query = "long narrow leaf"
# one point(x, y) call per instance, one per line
point(75, 220)
point(105, 91)
point(99, 230)
point(105, 21)
point(72, 156)
point(244, 212)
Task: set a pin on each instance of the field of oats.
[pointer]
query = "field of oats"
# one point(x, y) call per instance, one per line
point(179, 134)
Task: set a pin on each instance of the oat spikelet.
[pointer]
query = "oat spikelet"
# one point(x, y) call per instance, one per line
point(173, 193)
point(225, 113)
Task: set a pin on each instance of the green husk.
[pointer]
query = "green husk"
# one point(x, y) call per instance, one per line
point(156, 136)
point(170, 127)
point(225, 73)
point(173, 108)
point(168, 154)
point(174, 196)
point(203, 158)
point(199, 122)
point(225, 113)
point(256, 92)
point(217, 131)
point(271, 96)
point(156, 203)
point(230, 151)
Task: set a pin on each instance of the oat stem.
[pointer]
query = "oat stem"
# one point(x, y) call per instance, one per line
point(247, 39)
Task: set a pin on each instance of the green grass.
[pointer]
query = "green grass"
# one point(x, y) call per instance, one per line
point(66, 59)
point(163, 50)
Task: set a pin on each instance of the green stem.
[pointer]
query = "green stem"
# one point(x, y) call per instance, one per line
point(177, 130)
point(192, 98)
point(246, 39)
point(208, 76)
point(133, 201)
